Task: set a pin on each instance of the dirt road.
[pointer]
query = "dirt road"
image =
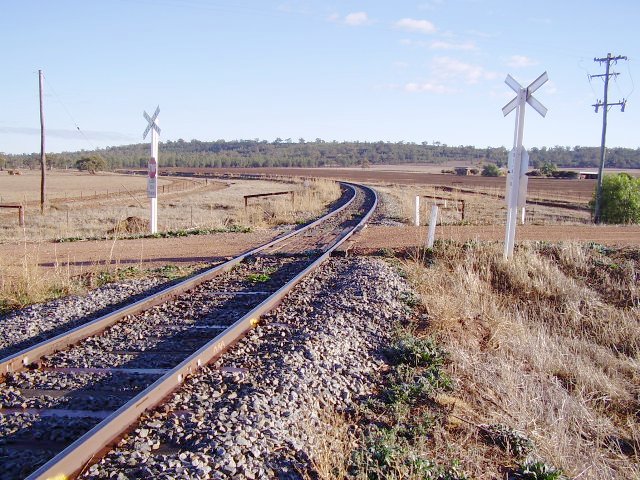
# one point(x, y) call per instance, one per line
point(149, 253)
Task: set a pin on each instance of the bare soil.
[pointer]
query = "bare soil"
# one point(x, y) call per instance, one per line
point(155, 252)
point(144, 253)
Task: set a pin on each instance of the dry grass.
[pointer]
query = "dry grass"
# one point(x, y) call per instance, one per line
point(332, 443)
point(548, 344)
point(216, 205)
point(485, 207)
point(25, 282)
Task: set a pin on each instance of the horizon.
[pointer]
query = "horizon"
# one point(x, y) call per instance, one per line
point(427, 70)
point(296, 142)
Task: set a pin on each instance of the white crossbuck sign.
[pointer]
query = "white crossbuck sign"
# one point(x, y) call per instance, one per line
point(518, 165)
point(530, 99)
point(152, 122)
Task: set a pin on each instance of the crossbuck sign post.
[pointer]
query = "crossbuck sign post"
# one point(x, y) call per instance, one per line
point(518, 164)
point(152, 180)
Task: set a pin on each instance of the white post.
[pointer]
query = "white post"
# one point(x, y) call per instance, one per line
point(152, 180)
point(432, 226)
point(417, 218)
point(524, 216)
point(154, 198)
point(513, 178)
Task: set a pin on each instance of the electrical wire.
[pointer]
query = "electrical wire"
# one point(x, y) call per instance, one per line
point(581, 66)
point(633, 86)
point(64, 107)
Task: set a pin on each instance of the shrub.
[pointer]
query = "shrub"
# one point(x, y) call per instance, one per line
point(620, 202)
point(490, 170)
point(548, 169)
point(91, 164)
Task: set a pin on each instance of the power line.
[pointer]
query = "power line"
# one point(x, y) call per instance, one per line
point(64, 107)
point(608, 60)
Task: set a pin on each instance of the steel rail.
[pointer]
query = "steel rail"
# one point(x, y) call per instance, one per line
point(87, 448)
point(22, 359)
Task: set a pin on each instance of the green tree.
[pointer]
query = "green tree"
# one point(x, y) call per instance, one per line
point(490, 170)
point(548, 169)
point(3, 162)
point(91, 164)
point(620, 202)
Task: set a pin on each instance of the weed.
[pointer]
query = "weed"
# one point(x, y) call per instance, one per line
point(514, 442)
point(168, 234)
point(537, 470)
point(410, 385)
point(386, 253)
point(411, 350)
point(410, 298)
point(258, 277)
point(387, 455)
point(170, 272)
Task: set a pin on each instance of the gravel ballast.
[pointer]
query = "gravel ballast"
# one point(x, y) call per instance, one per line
point(33, 324)
point(253, 413)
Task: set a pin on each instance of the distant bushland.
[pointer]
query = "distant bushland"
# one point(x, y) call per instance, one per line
point(319, 153)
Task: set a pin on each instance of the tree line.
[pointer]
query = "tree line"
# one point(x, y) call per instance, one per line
point(320, 153)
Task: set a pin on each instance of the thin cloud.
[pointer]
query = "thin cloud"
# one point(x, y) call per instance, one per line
point(448, 68)
point(356, 19)
point(521, 61)
point(68, 134)
point(431, 5)
point(428, 87)
point(447, 76)
point(441, 45)
point(541, 20)
point(481, 34)
point(413, 25)
point(413, 43)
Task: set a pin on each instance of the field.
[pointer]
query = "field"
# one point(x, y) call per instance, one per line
point(551, 189)
point(86, 206)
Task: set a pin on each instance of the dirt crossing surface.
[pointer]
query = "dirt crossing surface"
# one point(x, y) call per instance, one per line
point(155, 252)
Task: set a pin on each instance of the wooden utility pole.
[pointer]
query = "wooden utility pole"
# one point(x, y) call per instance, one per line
point(605, 108)
point(43, 155)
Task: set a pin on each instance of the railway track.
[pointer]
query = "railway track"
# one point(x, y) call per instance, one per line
point(66, 400)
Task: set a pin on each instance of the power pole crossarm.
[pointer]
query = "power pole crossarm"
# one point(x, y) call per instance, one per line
point(608, 60)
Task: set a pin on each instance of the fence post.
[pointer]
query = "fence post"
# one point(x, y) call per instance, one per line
point(432, 225)
point(417, 219)
point(21, 216)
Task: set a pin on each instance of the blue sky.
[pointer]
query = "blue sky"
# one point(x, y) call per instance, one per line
point(423, 70)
